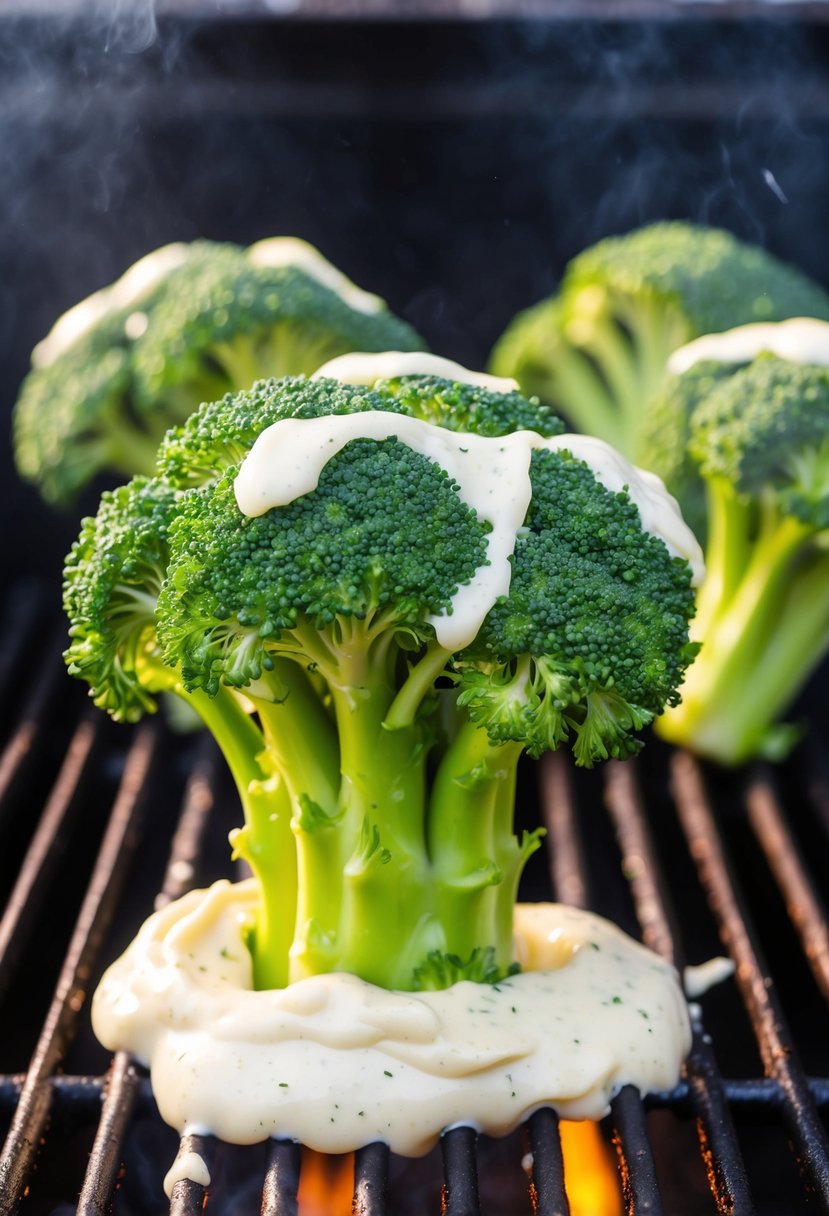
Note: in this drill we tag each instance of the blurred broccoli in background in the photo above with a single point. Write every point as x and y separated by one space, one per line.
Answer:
597 350
759 442
185 324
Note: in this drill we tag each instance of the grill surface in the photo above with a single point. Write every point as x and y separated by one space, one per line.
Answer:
94 818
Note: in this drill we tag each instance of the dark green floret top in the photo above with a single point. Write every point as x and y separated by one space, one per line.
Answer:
767 425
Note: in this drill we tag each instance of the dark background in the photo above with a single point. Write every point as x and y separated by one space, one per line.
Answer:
451 165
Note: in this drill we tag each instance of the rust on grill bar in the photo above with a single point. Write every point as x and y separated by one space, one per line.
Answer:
778 1051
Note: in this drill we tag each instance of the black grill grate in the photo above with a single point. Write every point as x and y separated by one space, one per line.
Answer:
93 818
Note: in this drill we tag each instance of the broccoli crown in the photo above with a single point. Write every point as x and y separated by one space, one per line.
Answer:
765 429
598 350
210 321
385 535
223 312
716 280
61 416
466 407
219 435
602 609
112 578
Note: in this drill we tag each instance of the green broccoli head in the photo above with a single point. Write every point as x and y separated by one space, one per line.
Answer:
228 320
184 325
764 433
592 640
112 579
760 439
598 350
329 612
381 544
219 435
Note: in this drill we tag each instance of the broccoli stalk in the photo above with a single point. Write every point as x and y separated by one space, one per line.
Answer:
761 443
597 351
376 766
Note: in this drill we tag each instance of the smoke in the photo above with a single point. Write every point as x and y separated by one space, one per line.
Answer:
129 25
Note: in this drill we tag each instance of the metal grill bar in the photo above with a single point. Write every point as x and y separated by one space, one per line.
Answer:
549 1197
19 752
371 1175
20 1149
104 1161
636 1166
122 1085
189 1197
279 1194
640 1191
777 1048
802 903
719 1146
459 1196
43 854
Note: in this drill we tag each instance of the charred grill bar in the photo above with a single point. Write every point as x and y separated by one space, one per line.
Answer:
43 1108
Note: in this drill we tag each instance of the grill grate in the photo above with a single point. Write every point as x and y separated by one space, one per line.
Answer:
156 804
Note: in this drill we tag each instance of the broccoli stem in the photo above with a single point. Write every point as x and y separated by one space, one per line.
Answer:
614 356
728 551
382 866
418 684
471 848
127 449
722 712
582 393
265 841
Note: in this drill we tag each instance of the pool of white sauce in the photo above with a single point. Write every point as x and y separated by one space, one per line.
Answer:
337 1063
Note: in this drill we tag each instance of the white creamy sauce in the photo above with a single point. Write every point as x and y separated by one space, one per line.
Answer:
137 282
133 286
493 474
366 369
187 1167
279 251
800 340
697 980
337 1063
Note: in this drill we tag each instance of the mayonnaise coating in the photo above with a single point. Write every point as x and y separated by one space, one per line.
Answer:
361 368
138 281
799 340
493 476
133 286
338 1063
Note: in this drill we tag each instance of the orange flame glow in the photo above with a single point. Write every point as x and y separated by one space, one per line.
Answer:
590 1177
326 1184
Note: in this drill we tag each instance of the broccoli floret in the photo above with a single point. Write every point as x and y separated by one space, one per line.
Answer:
378 773
597 351
760 440
184 325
